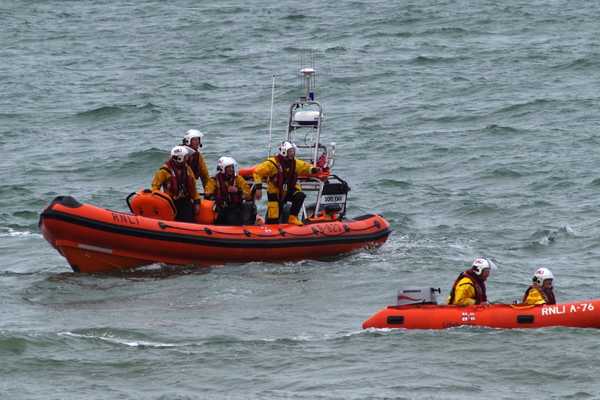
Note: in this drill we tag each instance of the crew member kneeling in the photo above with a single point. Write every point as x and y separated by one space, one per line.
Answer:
469 287
228 190
282 173
541 291
176 179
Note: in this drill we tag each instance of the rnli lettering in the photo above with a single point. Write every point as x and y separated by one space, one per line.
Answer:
125 219
553 310
562 309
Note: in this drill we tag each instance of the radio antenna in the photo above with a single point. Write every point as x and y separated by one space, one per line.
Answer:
271 117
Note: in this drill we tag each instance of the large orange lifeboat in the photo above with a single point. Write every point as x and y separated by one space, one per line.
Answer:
94 239
577 314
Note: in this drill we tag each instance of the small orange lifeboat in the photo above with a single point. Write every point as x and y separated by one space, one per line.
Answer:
578 314
95 239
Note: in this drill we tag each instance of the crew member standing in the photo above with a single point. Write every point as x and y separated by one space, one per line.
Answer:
282 173
193 141
176 179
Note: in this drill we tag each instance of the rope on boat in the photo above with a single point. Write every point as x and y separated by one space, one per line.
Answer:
282 232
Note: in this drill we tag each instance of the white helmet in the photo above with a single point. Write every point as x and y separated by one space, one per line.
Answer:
284 147
225 162
193 133
178 153
541 275
480 264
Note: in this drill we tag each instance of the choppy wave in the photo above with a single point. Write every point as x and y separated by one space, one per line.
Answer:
475 208
501 130
502 173
10 232
595 182
110 337
336 49
401 34
452 118
18 343
12 345
205 86
548 236
297 17
131 338
577 64
424 60
145 160
447 31
393 183
114 111
21 191
526 107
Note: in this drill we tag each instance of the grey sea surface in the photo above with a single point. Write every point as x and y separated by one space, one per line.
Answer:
472 126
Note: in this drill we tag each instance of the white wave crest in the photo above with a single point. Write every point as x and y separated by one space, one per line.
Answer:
10 232
121 341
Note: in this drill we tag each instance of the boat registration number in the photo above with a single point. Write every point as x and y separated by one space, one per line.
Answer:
566 308
333 198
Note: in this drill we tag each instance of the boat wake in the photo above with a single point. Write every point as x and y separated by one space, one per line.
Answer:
109 338
10 232
546 237
135 339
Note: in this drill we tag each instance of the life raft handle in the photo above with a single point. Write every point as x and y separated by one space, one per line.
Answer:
128 200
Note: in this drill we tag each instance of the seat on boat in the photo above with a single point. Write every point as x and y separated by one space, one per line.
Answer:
206 212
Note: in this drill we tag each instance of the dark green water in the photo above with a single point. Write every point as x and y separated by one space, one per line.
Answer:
472 126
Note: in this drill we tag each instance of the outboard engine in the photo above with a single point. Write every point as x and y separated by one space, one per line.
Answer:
422 295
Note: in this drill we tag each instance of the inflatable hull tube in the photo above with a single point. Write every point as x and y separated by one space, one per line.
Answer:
578 314
96 240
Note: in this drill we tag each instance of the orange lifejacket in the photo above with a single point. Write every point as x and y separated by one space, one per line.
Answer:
478 284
